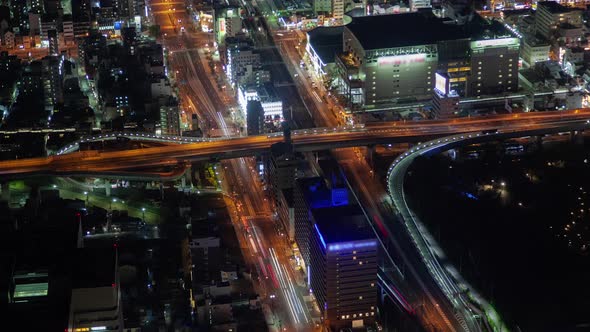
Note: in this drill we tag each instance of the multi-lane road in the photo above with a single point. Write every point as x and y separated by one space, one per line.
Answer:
201 94
303 140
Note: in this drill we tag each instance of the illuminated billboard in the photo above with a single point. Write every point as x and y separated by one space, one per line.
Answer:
441 83
495 43
401 59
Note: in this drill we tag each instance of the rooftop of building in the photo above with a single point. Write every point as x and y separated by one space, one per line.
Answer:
94 267
399 30
326 42
553 7
342 224
535 40
483 29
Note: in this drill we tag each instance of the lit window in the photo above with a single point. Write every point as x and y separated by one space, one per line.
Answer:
361 263
360 297
501 55
353 257
353 315
343 317
372 284
499 76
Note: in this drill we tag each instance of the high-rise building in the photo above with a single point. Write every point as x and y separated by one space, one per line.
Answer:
337 11
343 269
20 13
376 69
494 62
550 15
322 7
445 101
52 7
327 190
228 23
418 4
479 57
36 6
281 166
81 10
52 80
254 117
170 119
534 50
53 42
96 292
242 62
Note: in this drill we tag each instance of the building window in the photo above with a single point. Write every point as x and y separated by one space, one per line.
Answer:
354 258
360 297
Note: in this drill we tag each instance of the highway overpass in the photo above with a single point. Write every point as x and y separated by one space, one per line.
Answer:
102 162
471 310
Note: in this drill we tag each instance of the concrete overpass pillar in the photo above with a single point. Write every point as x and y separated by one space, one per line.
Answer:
107 188
577 136
6 191
370 155
183 182
537 142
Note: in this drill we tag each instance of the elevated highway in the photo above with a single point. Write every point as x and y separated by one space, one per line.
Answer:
471 311
99 162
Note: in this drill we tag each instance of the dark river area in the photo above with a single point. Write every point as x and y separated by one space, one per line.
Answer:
515 220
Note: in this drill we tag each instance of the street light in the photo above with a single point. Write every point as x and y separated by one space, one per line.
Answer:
86 193
111 203
143 214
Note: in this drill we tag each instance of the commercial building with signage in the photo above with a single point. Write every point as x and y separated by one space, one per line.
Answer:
396 65
377 70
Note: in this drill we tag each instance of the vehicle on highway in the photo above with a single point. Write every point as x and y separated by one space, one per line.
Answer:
489 131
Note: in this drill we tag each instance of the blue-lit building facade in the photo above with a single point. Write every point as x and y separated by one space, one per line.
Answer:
343 267
309 194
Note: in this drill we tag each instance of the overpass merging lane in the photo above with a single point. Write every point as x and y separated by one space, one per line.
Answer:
465 301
